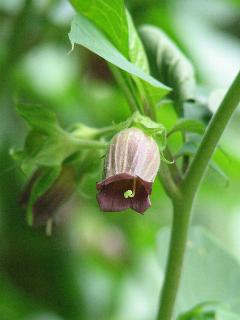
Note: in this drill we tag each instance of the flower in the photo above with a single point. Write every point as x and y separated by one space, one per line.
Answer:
131 166
46 207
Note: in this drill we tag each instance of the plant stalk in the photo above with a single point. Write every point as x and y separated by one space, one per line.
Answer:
188 190
179 232
211 137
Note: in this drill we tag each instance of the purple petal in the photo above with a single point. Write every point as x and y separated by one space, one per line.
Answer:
111 196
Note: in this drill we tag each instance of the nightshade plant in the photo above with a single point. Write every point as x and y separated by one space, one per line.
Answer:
148 69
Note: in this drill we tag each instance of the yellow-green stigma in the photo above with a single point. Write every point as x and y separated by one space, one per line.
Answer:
129 194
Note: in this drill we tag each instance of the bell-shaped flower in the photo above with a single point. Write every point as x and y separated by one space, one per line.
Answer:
131 165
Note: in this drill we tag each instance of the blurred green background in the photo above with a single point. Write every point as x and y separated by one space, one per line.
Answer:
102 266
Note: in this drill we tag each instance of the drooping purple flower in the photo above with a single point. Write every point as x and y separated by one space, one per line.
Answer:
131 166
47 205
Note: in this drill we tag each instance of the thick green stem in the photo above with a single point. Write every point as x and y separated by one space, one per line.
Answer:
181 218
188 189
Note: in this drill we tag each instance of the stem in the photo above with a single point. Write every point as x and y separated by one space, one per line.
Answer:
88 144
181 218
168 182
188 189
211 137
125 88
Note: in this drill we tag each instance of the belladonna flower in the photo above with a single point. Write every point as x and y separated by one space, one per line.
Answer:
46 207
131 166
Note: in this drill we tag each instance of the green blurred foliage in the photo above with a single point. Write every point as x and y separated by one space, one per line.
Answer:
101 266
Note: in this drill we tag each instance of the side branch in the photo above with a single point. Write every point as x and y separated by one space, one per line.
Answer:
211 138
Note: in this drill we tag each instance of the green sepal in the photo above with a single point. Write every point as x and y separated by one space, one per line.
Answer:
156 130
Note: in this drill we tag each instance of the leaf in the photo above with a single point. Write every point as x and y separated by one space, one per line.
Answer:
210 273
137 53
188 125
39 118
110 17
168 63
84 32
190 149
47 144
148 94
54 151
215 167
209 311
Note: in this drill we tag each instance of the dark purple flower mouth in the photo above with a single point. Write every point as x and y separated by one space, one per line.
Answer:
124 191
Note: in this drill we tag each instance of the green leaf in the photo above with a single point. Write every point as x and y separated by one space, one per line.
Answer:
210 273
39 118
219 162
188 125
215 167
190 149
150 127
84 32
110 17
47 144
137 53
168 63
54 151
209 311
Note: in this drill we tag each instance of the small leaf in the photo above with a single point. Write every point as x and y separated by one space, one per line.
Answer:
188 125
215 167
190 149
84 32
39 118
209 311
168 63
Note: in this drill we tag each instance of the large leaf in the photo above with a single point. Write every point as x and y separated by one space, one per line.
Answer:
210 273
168 63
137 53
85 33
110 17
